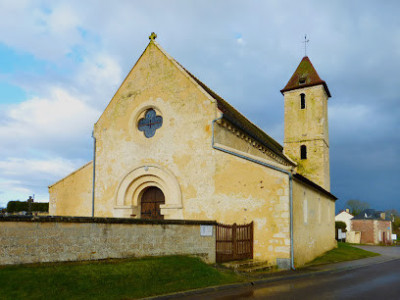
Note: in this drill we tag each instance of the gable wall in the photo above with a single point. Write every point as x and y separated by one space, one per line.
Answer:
72 196
180 149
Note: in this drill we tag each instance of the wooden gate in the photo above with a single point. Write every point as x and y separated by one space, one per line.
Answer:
234 242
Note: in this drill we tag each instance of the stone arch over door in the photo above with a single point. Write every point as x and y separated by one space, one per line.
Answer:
135 183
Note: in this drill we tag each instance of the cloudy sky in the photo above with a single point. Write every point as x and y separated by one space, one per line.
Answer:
62 61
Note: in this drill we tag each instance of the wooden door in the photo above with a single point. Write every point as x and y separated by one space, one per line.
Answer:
150 203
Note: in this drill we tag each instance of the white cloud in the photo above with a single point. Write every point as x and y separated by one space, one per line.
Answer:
353 121
48 31
13 190
40 122
62 20
36 168
239 40
98 77
9 186
21 177
10 190
38 137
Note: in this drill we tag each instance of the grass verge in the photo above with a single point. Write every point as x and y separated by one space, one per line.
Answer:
112 279
344 252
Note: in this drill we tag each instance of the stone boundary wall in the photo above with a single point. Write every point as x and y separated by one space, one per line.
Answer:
54 239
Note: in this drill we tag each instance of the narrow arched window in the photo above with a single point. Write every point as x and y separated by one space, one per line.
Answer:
302 101
303 152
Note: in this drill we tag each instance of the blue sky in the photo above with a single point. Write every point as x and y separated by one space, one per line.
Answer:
62 61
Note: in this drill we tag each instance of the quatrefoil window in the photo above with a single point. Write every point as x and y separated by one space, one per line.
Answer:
150 123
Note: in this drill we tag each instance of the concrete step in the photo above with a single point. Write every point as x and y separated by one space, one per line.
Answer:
248 266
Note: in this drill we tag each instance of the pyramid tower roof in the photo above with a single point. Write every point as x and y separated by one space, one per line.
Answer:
305 76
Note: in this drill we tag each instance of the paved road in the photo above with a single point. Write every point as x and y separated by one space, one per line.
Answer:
380 280
384 251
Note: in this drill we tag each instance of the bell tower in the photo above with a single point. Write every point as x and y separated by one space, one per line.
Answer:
306 138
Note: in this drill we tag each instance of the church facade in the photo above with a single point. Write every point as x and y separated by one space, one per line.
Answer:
168 147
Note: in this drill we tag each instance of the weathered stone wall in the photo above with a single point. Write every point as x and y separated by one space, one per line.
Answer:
246 192
313 223
52 239
308 127
75 190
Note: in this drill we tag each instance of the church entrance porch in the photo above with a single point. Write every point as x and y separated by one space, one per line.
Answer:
234 242
150 203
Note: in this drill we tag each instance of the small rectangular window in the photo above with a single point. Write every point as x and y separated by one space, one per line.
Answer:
302 101
303 152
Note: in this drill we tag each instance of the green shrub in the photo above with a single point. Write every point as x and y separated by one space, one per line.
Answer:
17 206
340 225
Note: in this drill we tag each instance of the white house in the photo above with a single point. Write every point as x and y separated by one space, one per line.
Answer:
345 216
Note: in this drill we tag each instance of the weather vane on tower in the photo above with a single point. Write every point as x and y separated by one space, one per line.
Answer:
305 44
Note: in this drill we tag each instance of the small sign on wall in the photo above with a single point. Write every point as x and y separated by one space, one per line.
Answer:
206 230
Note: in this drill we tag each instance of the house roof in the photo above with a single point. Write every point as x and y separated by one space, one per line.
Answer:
305 76
371 214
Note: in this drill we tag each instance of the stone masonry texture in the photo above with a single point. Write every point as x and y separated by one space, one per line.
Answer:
44 240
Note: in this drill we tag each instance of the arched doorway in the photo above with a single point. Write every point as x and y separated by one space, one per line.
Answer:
150 202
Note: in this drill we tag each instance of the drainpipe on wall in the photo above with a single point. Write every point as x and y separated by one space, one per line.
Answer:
94 170
271 167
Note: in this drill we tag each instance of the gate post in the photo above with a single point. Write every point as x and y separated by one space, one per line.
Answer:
234 244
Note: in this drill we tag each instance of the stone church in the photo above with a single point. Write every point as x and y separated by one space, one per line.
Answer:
168 147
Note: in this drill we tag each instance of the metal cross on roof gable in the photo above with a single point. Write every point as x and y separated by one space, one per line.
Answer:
305 44
150 123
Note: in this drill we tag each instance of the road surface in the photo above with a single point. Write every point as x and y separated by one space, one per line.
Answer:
376 281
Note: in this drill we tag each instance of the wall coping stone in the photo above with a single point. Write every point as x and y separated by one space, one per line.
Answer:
62 219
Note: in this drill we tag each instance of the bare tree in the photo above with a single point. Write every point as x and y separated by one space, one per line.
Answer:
356 206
